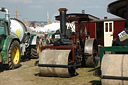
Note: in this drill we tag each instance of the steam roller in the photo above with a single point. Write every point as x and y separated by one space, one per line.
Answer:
114 66
67 50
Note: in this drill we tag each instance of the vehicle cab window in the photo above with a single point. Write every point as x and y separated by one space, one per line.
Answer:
2 26
3 32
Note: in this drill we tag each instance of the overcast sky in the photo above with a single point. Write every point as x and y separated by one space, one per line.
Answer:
37 9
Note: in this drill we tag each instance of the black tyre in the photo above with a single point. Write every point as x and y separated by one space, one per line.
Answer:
14 56
32 52
35 51
72 70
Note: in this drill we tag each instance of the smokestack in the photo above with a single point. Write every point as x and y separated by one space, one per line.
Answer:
105 17
63 21
83 11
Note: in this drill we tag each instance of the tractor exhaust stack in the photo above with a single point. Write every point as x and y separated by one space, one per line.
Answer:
7 16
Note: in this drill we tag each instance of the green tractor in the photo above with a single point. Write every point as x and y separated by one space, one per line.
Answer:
15 41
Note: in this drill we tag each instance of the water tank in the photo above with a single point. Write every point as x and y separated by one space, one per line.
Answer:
17 28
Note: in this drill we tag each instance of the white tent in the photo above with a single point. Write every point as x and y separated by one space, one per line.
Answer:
53 27
50 27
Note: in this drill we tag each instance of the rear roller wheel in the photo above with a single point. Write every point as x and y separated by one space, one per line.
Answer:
14 56
91 49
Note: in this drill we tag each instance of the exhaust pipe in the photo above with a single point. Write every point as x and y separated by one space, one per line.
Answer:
63 21
7 16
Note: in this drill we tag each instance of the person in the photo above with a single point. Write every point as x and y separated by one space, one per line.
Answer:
57 32
40 42
49 39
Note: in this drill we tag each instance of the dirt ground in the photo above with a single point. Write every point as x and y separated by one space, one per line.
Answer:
27 74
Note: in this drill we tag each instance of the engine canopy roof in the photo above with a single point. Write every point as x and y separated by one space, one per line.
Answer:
78 17
118 8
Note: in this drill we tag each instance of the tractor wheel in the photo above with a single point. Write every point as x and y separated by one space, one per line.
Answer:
14 56
32 52
35 51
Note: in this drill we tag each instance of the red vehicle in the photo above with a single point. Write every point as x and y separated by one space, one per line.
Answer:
69 50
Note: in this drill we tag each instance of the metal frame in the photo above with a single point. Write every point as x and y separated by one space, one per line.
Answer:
112 49
57 66
60 66
114 77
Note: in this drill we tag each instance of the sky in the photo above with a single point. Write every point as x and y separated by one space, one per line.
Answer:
36 10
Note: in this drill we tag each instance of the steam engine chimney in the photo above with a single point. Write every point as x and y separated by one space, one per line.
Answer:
63 21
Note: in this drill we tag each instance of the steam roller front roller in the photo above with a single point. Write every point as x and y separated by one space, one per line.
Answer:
114 69
91 53
55 63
